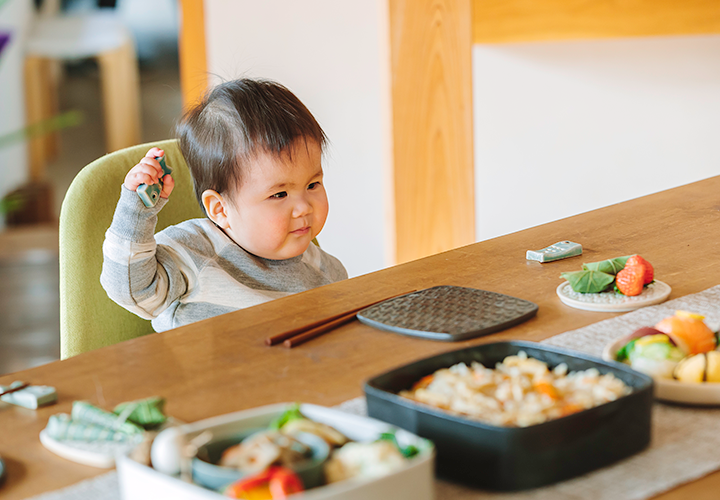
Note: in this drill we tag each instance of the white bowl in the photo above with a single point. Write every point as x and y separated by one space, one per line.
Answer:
414 481
703 393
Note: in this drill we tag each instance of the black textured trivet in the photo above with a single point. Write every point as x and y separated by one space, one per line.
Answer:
448 313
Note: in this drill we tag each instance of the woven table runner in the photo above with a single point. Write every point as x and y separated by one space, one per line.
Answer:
685 441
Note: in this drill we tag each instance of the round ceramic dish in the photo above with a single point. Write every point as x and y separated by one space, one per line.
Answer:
705 393
654 293
207 473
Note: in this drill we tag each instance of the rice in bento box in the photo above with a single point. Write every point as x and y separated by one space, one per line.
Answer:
518 392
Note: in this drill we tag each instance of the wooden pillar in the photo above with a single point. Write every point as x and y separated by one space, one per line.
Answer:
40 105
193 57
121 97
431 42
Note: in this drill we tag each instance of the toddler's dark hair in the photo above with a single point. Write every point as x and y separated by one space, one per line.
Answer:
234 123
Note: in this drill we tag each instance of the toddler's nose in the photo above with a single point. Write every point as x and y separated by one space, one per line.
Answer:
302 208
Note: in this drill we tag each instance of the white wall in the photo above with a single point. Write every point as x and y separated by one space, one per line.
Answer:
14 18
563 128
334 57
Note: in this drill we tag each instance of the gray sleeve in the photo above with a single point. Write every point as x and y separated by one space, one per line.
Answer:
137 274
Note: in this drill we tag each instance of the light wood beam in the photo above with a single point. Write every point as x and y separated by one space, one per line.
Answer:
501 21
193 55
432 125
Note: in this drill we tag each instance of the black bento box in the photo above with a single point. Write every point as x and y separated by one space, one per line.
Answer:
516 458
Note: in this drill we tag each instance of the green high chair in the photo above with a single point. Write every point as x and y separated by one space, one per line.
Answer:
88 318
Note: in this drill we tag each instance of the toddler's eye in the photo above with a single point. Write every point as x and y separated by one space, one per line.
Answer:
281 194
313 185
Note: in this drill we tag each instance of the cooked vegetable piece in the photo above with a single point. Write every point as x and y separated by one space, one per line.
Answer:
272 484
589 281
655 356
329 434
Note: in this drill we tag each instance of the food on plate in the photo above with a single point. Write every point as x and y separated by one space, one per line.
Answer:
518 392
630 280
270 484
655 355
261 450
363 460
689 332
330 435
627 275
704 367
647 268
282 459
680 346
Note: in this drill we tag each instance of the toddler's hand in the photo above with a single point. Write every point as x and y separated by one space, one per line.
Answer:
148 171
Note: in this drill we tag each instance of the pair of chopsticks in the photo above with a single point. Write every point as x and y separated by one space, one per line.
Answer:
302 334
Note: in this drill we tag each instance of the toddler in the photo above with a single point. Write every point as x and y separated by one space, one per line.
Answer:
254 152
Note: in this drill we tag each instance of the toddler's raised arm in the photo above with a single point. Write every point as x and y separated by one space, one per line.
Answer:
136 274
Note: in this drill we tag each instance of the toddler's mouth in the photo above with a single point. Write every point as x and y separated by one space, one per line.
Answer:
302 231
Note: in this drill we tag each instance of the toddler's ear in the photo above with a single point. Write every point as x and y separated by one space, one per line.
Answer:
215 207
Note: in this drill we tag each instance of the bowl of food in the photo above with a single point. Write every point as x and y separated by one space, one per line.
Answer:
281 450
680 353
224 461
517 415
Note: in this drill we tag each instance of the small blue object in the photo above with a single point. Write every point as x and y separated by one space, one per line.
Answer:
32 397
150 194
560 250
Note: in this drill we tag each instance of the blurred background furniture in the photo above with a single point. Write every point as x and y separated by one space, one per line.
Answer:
60 37
88 318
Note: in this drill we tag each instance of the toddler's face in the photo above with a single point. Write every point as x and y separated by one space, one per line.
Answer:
281 205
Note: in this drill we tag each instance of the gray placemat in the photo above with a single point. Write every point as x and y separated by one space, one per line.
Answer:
684 446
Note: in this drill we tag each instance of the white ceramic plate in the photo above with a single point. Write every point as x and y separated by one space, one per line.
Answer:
654 293
94 454
704 393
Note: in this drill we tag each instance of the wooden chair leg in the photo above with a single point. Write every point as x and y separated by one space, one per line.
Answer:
121 97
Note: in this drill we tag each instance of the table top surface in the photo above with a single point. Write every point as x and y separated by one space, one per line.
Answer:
222 365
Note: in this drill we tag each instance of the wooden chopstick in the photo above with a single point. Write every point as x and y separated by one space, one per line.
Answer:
311 330
14 389
315 332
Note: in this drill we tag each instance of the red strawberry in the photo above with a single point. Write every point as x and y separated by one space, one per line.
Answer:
630 280
636 260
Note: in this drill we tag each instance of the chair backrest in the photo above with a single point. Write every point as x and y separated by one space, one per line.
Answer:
88 318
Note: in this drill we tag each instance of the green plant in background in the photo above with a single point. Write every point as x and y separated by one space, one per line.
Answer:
11 203
71 118
15 201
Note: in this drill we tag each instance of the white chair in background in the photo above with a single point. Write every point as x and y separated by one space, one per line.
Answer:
99 35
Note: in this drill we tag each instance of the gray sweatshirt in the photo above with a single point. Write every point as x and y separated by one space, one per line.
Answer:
193 270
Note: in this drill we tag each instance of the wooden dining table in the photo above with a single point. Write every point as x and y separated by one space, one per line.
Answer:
222 364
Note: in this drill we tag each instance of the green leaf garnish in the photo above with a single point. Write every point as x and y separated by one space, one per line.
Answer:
610 266
408 451
589 281
292 413
624 351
